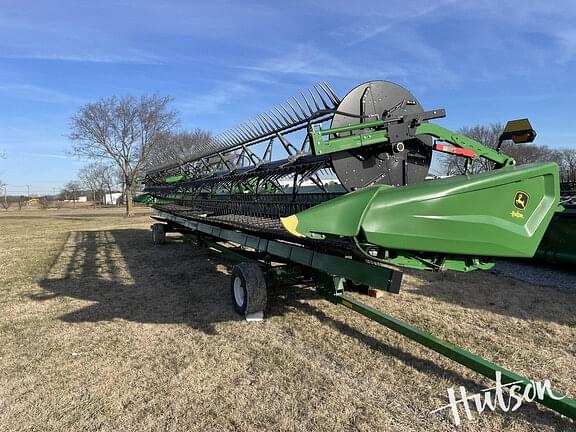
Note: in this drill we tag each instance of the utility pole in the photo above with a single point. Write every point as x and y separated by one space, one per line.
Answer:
28 196
5 198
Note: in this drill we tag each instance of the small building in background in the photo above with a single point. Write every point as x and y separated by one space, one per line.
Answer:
80 199
113 198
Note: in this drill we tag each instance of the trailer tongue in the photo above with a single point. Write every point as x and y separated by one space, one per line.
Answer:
255 195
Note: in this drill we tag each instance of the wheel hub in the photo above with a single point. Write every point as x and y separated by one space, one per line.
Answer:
239 294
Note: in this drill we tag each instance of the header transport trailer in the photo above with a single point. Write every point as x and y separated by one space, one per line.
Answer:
381 216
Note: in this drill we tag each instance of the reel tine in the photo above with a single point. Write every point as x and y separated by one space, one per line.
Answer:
223 141
308 105
227 141
321 97
241 134
295 112
203 146
333 93
277 126
268 127
222 145
286 121
249 130
218 140
256 127
328 93
301 108
288 114
237 135
314 99
230 137
219 146
261 125
233 136
222 138
246 134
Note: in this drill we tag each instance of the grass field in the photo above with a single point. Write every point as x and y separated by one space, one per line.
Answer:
100 330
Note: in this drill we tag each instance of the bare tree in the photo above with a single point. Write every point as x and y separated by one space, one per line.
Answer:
44 203
568 165
530 153
72 190
125 130
178 147
489 136
98 178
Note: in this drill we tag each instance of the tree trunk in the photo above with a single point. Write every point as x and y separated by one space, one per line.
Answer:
129 202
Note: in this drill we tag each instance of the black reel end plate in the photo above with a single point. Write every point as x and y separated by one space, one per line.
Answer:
358 168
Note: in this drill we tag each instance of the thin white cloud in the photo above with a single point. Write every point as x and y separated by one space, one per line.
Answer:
37 94
49 33
396 20
307 59
122 32
127 57
45 155
567 40
215 99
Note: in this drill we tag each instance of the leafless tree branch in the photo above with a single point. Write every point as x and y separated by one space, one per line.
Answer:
124 130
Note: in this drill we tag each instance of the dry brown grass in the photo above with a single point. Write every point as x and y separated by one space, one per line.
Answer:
99 330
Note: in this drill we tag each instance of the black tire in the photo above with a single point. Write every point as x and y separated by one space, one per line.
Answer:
158 234
248 288
356 287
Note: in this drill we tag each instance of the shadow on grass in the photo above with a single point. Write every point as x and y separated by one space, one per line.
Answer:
125 277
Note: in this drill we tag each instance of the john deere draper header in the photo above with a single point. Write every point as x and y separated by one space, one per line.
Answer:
264 194
270 176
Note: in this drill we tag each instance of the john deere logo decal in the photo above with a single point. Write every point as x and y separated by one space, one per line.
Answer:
521 200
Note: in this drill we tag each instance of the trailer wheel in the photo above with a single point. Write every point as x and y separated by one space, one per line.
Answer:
350 285
158 233
248 288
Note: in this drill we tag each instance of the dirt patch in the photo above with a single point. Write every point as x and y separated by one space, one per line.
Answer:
100 330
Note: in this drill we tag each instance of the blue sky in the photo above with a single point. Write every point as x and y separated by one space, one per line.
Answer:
223 62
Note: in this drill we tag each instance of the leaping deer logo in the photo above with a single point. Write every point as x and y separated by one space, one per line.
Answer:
521 200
